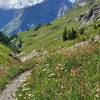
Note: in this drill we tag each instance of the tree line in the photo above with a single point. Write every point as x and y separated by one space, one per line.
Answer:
71 34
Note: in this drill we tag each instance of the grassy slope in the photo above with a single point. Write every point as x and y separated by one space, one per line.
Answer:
45 38
4 54
9 67
50 36
65 76
62 75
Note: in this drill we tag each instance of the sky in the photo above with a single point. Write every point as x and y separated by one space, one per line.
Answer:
72 0
12 3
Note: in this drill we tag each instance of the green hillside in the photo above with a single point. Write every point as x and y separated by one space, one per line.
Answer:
63 74
49 36
4 54
68 70
10 66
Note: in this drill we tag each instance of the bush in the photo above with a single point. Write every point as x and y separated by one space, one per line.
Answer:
72 34
69 35
4 38
82 31
37 27
65 35
96 26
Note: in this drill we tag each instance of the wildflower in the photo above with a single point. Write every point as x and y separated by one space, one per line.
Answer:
24 85
21 80
62 87
20 95
48 56
34 50
25 98
29 94
58 51
16 98
45 52
51 75
62 68
66 70
59 64
60 93
46 65
45 69
97 95
25 89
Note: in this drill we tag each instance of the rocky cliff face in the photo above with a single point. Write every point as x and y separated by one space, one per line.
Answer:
84 2
80 2
92 15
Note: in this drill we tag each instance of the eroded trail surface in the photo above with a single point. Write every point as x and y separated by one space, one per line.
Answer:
10 90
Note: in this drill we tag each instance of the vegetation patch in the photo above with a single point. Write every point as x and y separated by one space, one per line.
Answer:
62 76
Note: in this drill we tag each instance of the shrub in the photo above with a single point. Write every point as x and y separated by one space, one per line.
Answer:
72 34
82 31
69 35
95 26
65 35
37 27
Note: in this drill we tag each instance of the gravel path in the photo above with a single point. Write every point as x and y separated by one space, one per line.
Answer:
7 93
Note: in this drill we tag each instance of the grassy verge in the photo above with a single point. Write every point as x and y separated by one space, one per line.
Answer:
12 70
65 76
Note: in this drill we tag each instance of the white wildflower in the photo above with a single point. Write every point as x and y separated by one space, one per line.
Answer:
20 95
97 95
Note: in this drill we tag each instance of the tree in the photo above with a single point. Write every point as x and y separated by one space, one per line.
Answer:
20 44
82 30
74 33
65 35
69 35
3 38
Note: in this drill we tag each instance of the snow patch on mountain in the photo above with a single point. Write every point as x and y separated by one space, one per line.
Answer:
62 10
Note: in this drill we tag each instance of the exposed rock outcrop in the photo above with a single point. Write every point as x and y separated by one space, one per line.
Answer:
92 15
80 2
78 46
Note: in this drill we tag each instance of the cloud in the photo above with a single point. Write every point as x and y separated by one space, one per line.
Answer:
72 0
7 3
17 3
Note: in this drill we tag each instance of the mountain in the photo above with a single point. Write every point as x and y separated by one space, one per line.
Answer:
21 19
83 2
63 57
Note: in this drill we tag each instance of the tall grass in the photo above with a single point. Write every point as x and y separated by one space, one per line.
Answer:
65 76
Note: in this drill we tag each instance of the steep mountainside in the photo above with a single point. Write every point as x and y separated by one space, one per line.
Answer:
63 55
27 17
79 18
83 2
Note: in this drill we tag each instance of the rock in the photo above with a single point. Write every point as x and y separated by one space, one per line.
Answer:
80 2
90 16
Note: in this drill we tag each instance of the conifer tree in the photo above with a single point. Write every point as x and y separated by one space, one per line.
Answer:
65 35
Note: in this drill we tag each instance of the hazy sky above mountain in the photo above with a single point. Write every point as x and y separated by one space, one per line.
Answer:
72 0
19 3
